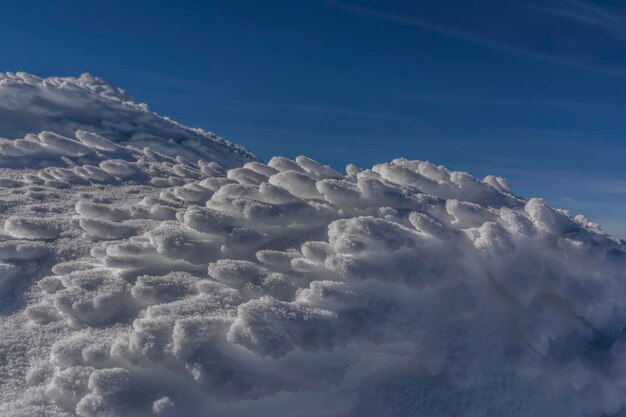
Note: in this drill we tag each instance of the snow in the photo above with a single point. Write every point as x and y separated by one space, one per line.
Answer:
100 116
148 269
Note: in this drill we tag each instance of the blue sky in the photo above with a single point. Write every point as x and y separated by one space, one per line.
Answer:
534 91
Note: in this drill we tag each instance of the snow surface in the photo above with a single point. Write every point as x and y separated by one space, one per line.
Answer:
29 104
137 283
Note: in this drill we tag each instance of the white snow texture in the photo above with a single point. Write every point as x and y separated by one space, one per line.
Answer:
150 269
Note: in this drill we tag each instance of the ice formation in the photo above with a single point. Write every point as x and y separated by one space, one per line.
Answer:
29 104
135 282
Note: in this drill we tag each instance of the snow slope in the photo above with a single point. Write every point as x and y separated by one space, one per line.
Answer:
30 104
134 283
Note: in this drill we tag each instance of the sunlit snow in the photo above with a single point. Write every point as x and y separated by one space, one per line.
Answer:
150 269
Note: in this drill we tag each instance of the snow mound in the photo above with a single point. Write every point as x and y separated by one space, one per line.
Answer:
63 105
134 283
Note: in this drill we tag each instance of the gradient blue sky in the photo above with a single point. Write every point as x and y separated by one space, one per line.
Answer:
534 91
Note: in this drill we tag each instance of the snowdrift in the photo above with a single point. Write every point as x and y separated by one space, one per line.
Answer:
135 282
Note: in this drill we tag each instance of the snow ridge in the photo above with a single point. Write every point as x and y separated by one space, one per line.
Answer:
63 105
135 283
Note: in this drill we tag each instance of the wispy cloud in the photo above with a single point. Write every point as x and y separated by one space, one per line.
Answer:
491 101
608 185
582 12
592 10
326 109
471 38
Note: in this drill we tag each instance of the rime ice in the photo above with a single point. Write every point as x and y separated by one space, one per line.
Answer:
185 277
